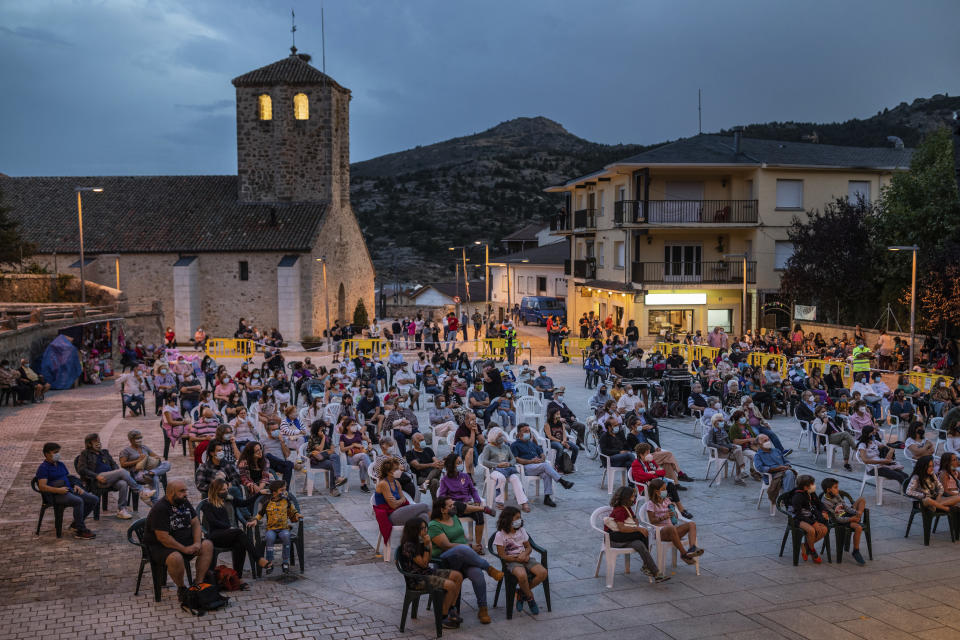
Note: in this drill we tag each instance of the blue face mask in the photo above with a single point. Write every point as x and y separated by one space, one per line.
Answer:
526 436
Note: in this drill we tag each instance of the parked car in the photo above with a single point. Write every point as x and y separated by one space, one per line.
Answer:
537 309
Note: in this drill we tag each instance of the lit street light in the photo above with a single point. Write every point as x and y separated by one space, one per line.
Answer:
83 280
913 292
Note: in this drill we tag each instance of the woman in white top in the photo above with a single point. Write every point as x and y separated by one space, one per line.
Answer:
244 428
835 433
916 445
610 413
312 412
879 458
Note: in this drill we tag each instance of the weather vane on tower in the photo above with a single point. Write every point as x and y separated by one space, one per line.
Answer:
293 32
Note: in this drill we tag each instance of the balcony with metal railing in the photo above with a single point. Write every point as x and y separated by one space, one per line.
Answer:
676 212
585 219
696 273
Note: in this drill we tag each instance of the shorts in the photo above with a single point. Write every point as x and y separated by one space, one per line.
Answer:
430 582
528 565
159 553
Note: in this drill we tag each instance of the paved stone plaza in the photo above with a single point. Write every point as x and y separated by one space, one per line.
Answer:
84 589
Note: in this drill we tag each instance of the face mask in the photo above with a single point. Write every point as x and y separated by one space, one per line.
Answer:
398 473
629 392
179 501
256 376
459 468
616 429
862 409
163 371
941 384
517 524
741 420
526 436
648 457
276 433
56 457
767 445
138 442
919 435
226 381
218 455
716 406
228 437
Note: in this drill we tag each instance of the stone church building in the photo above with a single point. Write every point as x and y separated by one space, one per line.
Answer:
214 249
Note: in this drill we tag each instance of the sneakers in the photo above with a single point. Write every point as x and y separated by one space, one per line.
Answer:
495 573
661 577
858 558
334 492
548 501
483 615
684 477
686 514
364 488
566 484
847 467
123 514
451 623
340 482
532 605
146 494
695 551
285 567
787 452
739 482
680 487
85 534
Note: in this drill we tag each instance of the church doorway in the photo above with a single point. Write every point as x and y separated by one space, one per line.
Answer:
342 305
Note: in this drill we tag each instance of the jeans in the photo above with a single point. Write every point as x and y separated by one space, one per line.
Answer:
458 449
124 482
622 459
154 480
767 431
401 439
362 461
574 450
187 406
281 466
134 402
284 537
465 560
508 417
253 396
546 472
331 464
81 505
237 541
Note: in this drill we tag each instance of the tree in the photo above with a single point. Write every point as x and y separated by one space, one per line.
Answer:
360 320
832 260
938 299
13 248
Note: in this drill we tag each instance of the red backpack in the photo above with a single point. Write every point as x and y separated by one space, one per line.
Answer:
228 580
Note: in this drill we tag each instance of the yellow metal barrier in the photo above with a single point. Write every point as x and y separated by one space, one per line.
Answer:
365 347
846 370
229 348
574 347
925 381
495 347
700 351
760 359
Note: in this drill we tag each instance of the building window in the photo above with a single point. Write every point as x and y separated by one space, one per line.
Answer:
682 262
599 254
858 189
560 286
265 107
720 318
789 194
244 270
530 283
618 255
541 285
660 321
600 203
301 107
782 252
519 284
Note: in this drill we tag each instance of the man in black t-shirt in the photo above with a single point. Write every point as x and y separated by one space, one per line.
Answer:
173 535
425 464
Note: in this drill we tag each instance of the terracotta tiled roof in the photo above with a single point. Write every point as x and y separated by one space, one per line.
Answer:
292 70
150 214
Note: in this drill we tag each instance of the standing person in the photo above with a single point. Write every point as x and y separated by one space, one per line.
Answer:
464 324
513 547
53 478
632 334
510 344
173 536
477 324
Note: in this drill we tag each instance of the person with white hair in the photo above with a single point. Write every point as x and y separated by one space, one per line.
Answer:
499 459
719 438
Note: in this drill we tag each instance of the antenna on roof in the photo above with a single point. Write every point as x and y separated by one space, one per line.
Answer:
699 111
293 33
323 43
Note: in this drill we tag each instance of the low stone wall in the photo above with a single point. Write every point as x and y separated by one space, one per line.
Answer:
42 287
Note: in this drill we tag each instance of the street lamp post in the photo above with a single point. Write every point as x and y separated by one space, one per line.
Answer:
326 301
913 293
83 280
743 304
486 271
507 264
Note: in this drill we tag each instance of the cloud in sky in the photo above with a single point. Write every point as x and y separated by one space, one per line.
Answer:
143 86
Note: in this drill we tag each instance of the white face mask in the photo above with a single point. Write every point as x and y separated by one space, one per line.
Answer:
56 457
218 455
226 381
276 433
228 437
397 473
862 410
629 392
517 524
648 457
767 445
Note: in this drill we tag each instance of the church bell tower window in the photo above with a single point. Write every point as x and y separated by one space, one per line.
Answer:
265 107
301 107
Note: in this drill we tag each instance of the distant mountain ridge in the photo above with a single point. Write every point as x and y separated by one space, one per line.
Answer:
414 204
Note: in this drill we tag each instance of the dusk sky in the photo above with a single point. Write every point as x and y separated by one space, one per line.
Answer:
114 87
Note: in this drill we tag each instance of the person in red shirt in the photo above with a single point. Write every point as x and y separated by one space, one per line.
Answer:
625 530
170 337
644 469
451 331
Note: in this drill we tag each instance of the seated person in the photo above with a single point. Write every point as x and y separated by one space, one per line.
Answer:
842 513
222 533
402 423
697 401
544 383
860 416
391 507
805 410
662 513
405 381
645 468
901 407
279 513
442 420
173 535
926 487
916 443
769 460
835 432
371 412
867 394
323 455
625 530
719 438
203 430
498 458
810 514
755 420
555 432
479 401
468 441
559 404
744 436
355 445
144 465
425 465
415 557
98 469
628 402
513 547
505 409
532 459
386 450
877 457
53 479
599 399
450 546
614 445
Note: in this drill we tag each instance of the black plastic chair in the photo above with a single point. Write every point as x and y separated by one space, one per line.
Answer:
103 493
794 531
158 571
931 518
296 535
166 442
46 502
411 598
511 580
236 558
844 534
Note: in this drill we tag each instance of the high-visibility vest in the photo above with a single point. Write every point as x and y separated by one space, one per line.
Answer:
510 335
861 359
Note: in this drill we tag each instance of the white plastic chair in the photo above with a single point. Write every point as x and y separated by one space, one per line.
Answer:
607 551
309 473
697 424
529 410
524 390
395 533
610 472
662 544
937 425
489 490
822 444
764 487
331 412
877 480
805 432
721 463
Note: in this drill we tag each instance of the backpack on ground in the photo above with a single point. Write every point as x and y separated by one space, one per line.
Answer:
564 462
201 598
228 579
658 409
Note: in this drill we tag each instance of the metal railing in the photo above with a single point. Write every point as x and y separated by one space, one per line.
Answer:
693 272
585 219
685 211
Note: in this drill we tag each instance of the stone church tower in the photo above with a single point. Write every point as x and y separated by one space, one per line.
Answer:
293 134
